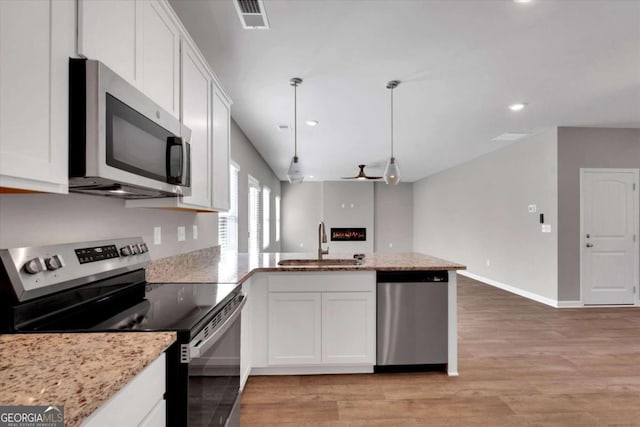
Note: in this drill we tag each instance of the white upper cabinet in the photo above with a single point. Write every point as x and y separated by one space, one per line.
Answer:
139 40
221 141
196 115
108 31
160 43
36 40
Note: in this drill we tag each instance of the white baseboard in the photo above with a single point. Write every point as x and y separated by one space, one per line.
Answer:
311 370
570 304
529 295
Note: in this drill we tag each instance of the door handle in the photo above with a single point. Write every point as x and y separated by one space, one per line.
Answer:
589 245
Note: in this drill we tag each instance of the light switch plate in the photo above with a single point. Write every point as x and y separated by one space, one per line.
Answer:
532 208
195 232
546 228
157 235
182 234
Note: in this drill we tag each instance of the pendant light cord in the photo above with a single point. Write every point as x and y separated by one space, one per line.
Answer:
295 120
392 122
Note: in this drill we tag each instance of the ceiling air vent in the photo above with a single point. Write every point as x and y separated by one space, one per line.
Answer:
252 14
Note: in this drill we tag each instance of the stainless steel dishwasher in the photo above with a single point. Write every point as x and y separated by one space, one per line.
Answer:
412 320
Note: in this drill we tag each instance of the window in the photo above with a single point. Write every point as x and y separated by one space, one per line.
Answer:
228 221
266 217
254 216
277 203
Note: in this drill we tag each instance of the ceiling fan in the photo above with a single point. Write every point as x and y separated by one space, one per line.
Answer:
361 174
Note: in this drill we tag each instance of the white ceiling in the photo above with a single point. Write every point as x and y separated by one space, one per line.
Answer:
461 63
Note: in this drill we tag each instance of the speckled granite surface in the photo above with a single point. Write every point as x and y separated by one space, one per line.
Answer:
79 371
236 268
171 269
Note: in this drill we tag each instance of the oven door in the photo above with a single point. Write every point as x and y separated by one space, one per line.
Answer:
214 375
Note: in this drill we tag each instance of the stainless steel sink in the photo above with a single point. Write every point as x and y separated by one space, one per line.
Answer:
326 261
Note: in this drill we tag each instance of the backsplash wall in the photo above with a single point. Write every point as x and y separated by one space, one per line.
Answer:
42 219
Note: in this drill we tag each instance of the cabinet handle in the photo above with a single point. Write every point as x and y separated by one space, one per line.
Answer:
589 245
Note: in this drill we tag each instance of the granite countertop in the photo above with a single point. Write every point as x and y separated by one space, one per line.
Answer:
79 371
212 267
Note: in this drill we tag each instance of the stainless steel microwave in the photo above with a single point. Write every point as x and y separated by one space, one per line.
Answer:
121 143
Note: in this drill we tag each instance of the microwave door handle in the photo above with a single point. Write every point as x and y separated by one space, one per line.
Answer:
175 147
197 350
186 164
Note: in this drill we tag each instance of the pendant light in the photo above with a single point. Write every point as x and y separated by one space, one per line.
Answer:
391 170
294 173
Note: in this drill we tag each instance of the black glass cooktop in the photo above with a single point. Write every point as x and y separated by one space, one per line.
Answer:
172 306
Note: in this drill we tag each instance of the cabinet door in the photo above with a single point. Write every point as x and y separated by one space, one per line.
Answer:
245 335
221 137
294 328
108 31
196 115
160 41
36 40
348 327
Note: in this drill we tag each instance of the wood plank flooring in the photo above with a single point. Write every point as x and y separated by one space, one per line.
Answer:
521 364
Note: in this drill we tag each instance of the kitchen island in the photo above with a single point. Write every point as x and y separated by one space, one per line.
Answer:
308 319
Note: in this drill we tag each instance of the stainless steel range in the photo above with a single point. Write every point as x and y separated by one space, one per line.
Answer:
100 286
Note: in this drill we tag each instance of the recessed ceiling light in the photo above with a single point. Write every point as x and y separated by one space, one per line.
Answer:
522 1
510 136
311 176
517 107
312 123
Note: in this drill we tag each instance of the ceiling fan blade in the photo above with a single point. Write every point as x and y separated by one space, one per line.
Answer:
349 177
374 177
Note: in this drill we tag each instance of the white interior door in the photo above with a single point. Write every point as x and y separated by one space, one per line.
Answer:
609 243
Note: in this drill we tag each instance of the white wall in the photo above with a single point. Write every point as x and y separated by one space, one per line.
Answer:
393 217
348 205
251 163
43 219
386 212
477 212
338 204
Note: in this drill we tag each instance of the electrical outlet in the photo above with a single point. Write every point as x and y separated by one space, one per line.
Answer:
182 234
157 235
195 232
532 208
546 228
488 262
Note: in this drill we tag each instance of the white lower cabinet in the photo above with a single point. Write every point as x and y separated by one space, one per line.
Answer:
245 335
139 403
312 322
348 327
295 328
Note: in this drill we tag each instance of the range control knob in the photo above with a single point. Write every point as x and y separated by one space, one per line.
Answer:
54 263
125 250
144 248
34 266
135 248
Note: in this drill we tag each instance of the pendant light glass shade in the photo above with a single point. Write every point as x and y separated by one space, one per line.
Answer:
392 171
294 174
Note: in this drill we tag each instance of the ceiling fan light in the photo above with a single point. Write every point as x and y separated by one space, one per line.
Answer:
392 172
294 174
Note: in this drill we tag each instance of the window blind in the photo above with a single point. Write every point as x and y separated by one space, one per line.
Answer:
228 221
266 217
255 216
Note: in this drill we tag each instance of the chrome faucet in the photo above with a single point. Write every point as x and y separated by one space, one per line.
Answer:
322 238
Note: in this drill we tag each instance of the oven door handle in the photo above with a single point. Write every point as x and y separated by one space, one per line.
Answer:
200 348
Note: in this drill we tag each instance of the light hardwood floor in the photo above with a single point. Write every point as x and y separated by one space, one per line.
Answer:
521 364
